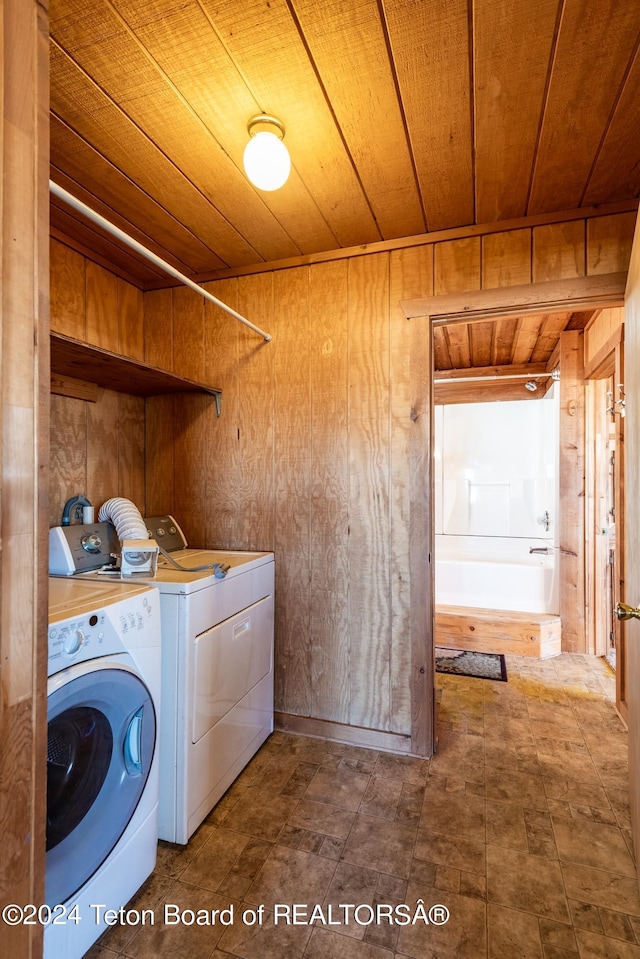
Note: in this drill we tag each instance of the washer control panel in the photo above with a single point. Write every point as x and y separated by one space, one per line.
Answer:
104 631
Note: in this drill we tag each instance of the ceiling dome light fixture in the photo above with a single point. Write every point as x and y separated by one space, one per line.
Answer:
266 158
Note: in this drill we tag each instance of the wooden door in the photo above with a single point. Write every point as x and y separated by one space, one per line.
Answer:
632 523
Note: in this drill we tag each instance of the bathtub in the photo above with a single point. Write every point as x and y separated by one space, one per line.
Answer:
495 573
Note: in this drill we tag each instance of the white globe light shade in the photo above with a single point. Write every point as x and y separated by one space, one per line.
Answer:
266 161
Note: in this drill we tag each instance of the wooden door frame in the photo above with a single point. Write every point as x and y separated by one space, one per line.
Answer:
578 293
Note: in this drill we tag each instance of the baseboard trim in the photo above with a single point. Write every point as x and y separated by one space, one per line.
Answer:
342 733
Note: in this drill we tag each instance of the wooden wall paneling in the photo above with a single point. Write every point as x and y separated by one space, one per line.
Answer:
559 251
411 274
159 455
130 320
68 472
158 329
67 291
457 266
102 308
188 334
255 499
221 336
292 487
369 504
24 323
609 240
506 259
102 449
192 471
571 473
329 491
131 461
599 330
421 539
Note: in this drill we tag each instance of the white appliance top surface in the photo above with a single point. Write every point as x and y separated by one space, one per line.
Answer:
171 580
70 596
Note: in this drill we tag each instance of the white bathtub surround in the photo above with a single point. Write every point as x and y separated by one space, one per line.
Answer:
496 481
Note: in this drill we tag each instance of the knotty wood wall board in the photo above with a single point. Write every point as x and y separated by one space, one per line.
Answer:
222 333
130 321
329 492
609 241
101 307
506 258
411 271
158 329
292 450
369 464
559 250
67 293
188 334
97 450
92 304
160 420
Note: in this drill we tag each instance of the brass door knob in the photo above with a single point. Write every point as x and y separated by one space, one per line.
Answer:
627 612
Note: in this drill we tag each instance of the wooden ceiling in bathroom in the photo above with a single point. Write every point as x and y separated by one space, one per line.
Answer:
402 117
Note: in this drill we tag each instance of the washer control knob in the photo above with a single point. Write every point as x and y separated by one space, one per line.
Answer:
73 641
91 543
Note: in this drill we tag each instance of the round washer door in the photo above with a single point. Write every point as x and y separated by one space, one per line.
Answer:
101 742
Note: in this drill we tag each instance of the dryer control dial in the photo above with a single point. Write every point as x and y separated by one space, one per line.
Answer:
73 640
91 543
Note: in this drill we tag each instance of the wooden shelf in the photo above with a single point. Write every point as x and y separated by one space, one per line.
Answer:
70 357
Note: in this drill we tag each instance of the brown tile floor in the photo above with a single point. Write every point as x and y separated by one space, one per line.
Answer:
519 825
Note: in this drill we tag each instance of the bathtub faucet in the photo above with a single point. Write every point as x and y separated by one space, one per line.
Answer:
539 549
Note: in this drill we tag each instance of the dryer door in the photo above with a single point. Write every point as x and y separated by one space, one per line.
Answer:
101 741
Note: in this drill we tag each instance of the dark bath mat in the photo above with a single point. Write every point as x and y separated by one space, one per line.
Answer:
462 662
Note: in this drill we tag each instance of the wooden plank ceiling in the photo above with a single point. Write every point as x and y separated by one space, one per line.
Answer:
402 117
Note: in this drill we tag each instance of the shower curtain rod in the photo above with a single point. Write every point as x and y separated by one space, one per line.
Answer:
139 248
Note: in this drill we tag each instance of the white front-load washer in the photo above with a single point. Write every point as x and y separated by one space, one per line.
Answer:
103 704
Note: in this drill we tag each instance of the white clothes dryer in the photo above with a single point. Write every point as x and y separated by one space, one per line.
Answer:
103 702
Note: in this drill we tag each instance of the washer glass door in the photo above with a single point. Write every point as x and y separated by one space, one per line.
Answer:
101 741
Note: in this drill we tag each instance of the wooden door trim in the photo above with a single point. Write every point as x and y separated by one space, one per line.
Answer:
550 296
579 293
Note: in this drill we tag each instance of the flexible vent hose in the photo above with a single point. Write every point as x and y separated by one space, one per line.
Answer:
126 518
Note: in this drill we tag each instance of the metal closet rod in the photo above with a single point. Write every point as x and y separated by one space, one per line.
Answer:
139 248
